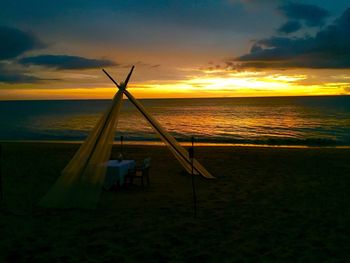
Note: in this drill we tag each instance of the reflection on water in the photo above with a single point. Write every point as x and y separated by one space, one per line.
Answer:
293 120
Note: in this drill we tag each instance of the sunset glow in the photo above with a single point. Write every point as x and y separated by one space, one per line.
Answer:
209 85
179 49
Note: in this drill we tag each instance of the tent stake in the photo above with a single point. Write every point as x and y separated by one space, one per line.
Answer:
121 145
1 191
191 155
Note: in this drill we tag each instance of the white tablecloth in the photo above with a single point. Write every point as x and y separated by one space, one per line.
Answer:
116 172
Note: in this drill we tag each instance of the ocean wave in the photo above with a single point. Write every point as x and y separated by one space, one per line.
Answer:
269 141
151 137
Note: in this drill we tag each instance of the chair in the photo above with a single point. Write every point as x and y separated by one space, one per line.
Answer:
141 173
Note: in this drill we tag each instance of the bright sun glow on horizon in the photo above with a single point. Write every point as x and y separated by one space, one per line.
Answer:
206 83
240 84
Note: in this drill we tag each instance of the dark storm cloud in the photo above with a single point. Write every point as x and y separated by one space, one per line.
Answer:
66 62
290 27
312 15
14 42
329 48
15 76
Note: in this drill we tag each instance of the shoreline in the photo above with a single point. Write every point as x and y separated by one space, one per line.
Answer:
185 144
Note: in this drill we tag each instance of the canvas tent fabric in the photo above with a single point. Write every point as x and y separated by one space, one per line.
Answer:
82 179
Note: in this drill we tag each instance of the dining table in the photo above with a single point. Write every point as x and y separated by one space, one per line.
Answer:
116 172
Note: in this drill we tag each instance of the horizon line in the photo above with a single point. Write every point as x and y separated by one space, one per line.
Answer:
184 98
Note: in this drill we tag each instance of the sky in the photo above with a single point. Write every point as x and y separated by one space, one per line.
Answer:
180 48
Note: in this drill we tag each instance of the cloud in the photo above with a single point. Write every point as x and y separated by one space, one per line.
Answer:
312 15
290 27
15 42
15 76
62 62
329 48
255 1
140 64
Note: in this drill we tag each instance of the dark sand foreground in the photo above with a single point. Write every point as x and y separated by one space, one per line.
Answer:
268 204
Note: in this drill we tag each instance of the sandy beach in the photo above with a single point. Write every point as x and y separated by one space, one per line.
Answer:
267 204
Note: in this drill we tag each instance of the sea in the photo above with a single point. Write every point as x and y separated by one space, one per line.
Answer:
272 121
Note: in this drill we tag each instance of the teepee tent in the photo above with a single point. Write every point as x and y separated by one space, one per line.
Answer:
81 180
